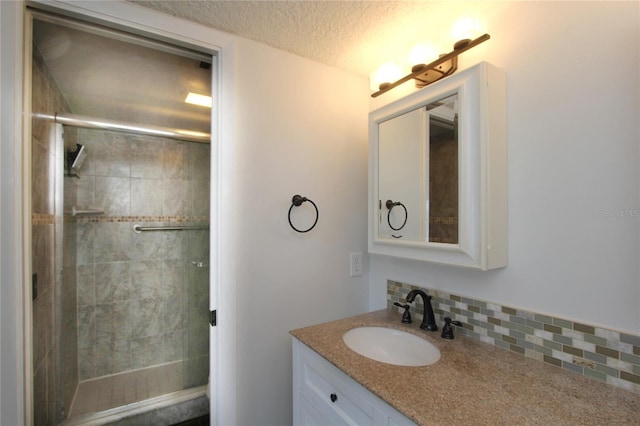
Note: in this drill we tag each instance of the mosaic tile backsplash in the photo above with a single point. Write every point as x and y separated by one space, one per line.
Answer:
606 355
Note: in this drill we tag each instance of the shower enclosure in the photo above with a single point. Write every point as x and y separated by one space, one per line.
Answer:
142 296
120 247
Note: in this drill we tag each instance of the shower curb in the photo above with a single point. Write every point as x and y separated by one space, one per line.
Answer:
164 410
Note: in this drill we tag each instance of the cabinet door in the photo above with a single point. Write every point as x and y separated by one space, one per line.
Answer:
309 415
324 394
322 386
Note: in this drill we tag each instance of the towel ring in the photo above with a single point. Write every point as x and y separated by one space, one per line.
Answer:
297 201
390 205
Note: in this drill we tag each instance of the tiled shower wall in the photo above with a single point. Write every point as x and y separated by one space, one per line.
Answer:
141 301
606 355
54 314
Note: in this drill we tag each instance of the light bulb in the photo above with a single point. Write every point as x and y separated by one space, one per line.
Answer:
386 73
465 28
423 54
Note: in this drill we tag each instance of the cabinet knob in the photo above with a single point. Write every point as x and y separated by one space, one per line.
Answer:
333 397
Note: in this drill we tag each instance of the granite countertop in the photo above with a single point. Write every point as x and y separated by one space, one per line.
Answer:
473 382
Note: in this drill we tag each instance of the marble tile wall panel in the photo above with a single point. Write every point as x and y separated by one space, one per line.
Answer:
113 242
111 154
200 178
86 293
113 194
196 371
146 200
146 159
175 161
87 332
85 190
147 280
177 197
112 282
174 343
136 296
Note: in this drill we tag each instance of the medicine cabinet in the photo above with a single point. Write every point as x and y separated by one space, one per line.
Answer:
438 172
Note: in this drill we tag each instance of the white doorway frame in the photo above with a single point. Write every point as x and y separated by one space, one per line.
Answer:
223 401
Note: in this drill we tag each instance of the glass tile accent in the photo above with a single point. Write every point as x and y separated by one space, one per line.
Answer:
552 360
552 345
628 338
563 323
562 339
572 367
631 359
595 340
573 351
598 353
543 318
610 353
587 329
509 311
552 329
495 321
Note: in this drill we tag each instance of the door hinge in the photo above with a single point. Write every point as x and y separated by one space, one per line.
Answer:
212 318
34 286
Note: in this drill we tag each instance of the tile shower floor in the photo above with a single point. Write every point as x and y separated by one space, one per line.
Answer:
125 388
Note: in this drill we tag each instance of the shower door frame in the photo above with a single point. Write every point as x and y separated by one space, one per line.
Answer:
134 18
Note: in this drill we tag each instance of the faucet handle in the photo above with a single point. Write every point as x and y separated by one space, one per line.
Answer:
406 316
447 330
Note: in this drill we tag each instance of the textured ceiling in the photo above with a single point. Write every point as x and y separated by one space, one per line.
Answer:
356 36
106 78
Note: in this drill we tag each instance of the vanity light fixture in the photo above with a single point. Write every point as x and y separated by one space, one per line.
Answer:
442 67
196 99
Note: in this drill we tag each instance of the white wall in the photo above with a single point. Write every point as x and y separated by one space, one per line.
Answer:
573 103
301 129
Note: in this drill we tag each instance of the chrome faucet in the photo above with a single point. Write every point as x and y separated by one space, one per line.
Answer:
428 318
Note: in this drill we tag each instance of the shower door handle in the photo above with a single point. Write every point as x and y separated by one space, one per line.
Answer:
199 264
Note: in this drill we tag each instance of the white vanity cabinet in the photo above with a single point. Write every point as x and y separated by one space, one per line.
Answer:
324 395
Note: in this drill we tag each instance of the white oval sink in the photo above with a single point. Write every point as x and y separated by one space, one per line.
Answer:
391 346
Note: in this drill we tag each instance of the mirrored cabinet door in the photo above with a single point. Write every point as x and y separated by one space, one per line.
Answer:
438 172
418 174
403 176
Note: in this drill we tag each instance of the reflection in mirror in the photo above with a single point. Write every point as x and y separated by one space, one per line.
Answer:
418 174
443 171
401 176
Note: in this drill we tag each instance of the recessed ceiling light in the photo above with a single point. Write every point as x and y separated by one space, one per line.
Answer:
196 99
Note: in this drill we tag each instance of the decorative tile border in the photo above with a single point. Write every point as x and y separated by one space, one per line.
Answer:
42 219
132 219
49 219
606 355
